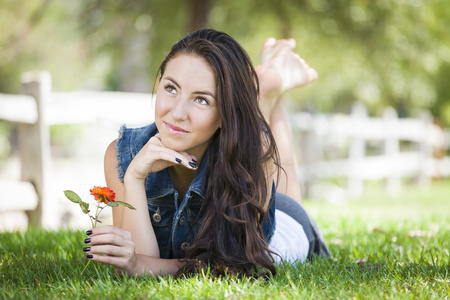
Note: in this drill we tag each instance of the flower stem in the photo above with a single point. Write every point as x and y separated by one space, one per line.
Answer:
93 226
96 213
91 221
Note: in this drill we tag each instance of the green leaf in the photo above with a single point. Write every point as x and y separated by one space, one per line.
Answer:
125 204
112 204
72 196
84 207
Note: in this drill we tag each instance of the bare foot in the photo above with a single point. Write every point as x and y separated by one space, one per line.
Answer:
281 69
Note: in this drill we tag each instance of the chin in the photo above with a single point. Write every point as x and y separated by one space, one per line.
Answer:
171 144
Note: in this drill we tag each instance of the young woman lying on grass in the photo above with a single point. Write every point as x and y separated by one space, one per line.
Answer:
209 186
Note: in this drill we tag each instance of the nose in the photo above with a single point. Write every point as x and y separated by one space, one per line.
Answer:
180 108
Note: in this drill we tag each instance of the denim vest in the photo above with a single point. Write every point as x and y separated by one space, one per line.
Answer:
175 222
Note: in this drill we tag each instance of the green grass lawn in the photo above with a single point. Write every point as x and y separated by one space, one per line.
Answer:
383 247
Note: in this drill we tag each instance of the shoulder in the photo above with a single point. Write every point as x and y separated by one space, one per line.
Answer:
110 162
110 154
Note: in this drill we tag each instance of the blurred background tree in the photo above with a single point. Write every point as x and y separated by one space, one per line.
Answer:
379 52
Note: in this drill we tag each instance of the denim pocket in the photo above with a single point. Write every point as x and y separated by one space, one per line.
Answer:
161 215
193 209
194 218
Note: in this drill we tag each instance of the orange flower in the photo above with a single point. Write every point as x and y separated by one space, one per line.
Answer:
103 194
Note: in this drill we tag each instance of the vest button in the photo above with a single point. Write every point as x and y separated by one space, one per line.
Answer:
156 217
185 246
181 221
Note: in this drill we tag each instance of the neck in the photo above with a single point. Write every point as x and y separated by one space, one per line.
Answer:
182 177
182 172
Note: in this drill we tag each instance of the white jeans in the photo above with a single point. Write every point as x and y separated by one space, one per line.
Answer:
289 239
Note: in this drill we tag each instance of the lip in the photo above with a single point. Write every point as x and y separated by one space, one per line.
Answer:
175 129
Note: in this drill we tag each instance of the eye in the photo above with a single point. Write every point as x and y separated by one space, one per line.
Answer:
170 88
202 101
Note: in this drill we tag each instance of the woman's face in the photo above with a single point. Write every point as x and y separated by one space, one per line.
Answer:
186 111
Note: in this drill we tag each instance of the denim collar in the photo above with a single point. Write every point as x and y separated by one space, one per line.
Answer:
160 184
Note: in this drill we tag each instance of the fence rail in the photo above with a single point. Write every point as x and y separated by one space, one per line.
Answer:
320 137
79 108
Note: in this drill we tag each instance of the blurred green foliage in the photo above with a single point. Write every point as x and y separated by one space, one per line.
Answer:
379 52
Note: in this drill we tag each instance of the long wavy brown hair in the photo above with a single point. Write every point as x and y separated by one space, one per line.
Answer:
230 237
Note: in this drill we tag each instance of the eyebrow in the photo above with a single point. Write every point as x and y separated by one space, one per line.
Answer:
195 92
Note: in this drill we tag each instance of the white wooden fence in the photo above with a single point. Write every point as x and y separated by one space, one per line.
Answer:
34 112
320 137
337 146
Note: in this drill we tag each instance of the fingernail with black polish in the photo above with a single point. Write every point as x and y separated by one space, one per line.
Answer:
194 160
89 232
87 249
89 256
178 160
87 241
194 165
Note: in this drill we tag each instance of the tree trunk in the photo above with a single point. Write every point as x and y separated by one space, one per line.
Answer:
199 14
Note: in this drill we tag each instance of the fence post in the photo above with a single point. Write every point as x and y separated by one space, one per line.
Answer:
34 145
425 149
357 149
391 149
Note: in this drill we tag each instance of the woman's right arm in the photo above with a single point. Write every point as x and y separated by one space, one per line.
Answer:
132 191
131 244
113 181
